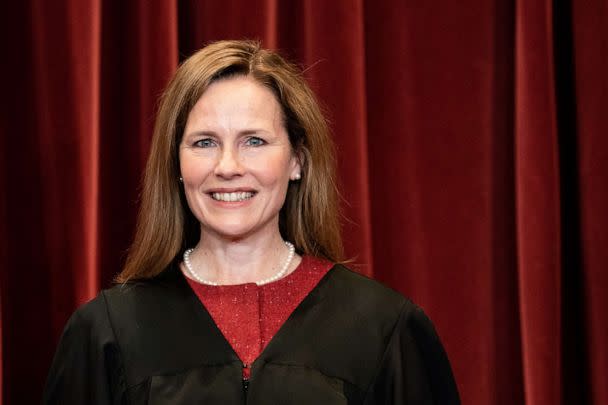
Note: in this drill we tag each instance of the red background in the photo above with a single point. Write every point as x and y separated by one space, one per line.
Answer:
473 162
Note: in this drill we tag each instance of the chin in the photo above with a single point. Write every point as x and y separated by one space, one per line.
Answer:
235 234
234 227
232 232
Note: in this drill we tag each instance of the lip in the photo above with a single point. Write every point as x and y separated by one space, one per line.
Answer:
231 190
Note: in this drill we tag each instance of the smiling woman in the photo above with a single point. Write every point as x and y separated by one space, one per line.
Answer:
233 292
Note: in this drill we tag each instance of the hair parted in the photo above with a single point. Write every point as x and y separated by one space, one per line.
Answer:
309 218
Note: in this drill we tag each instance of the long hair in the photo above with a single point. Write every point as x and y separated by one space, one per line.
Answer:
309 218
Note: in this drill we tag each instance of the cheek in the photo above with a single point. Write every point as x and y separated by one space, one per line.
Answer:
273 171
193 169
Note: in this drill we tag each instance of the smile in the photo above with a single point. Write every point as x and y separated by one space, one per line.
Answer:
232 197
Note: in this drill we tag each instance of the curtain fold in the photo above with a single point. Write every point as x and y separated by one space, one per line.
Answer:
538 202
472 162
590 60
65 74
140 52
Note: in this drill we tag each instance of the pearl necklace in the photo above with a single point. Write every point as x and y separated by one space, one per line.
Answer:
277 276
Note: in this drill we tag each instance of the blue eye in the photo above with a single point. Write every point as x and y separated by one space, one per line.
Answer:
255 141
204 143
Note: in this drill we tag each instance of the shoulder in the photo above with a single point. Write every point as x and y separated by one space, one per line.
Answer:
113 340
379 303
130 304
375 320
168 284
90 313
157 324
359 291
368 305
87 362
410 354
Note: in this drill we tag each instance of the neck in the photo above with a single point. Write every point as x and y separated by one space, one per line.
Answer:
238 261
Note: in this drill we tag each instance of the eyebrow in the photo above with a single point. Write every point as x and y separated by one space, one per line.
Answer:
248 131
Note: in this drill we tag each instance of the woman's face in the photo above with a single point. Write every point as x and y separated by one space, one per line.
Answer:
236 160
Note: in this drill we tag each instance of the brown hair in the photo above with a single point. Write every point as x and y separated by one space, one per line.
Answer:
309 218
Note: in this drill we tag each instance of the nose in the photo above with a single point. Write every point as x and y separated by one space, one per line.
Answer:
228 164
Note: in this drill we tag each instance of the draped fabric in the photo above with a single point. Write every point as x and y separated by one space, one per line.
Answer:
473 164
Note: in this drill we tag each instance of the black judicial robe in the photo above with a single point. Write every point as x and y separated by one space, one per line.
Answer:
350 341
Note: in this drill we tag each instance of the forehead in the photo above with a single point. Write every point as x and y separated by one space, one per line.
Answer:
238 99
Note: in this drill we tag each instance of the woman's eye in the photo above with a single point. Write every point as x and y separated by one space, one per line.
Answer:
255 141
204 143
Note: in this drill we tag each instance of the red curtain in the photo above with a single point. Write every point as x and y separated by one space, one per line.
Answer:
473 163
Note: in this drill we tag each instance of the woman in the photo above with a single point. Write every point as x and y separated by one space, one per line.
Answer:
230 293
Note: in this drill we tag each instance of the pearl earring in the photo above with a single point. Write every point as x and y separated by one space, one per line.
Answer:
297 176
181 179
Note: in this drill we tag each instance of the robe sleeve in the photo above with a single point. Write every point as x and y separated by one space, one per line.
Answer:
414 369
87 367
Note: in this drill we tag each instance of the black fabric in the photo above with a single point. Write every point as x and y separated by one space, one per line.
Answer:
350 341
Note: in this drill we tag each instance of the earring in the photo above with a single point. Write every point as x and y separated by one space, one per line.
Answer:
297 176
181 179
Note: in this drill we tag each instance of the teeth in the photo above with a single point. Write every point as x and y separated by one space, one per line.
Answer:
241 196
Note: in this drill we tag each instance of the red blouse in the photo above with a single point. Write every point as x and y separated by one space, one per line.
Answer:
249 315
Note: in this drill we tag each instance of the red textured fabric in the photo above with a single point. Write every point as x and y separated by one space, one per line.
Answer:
249 315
